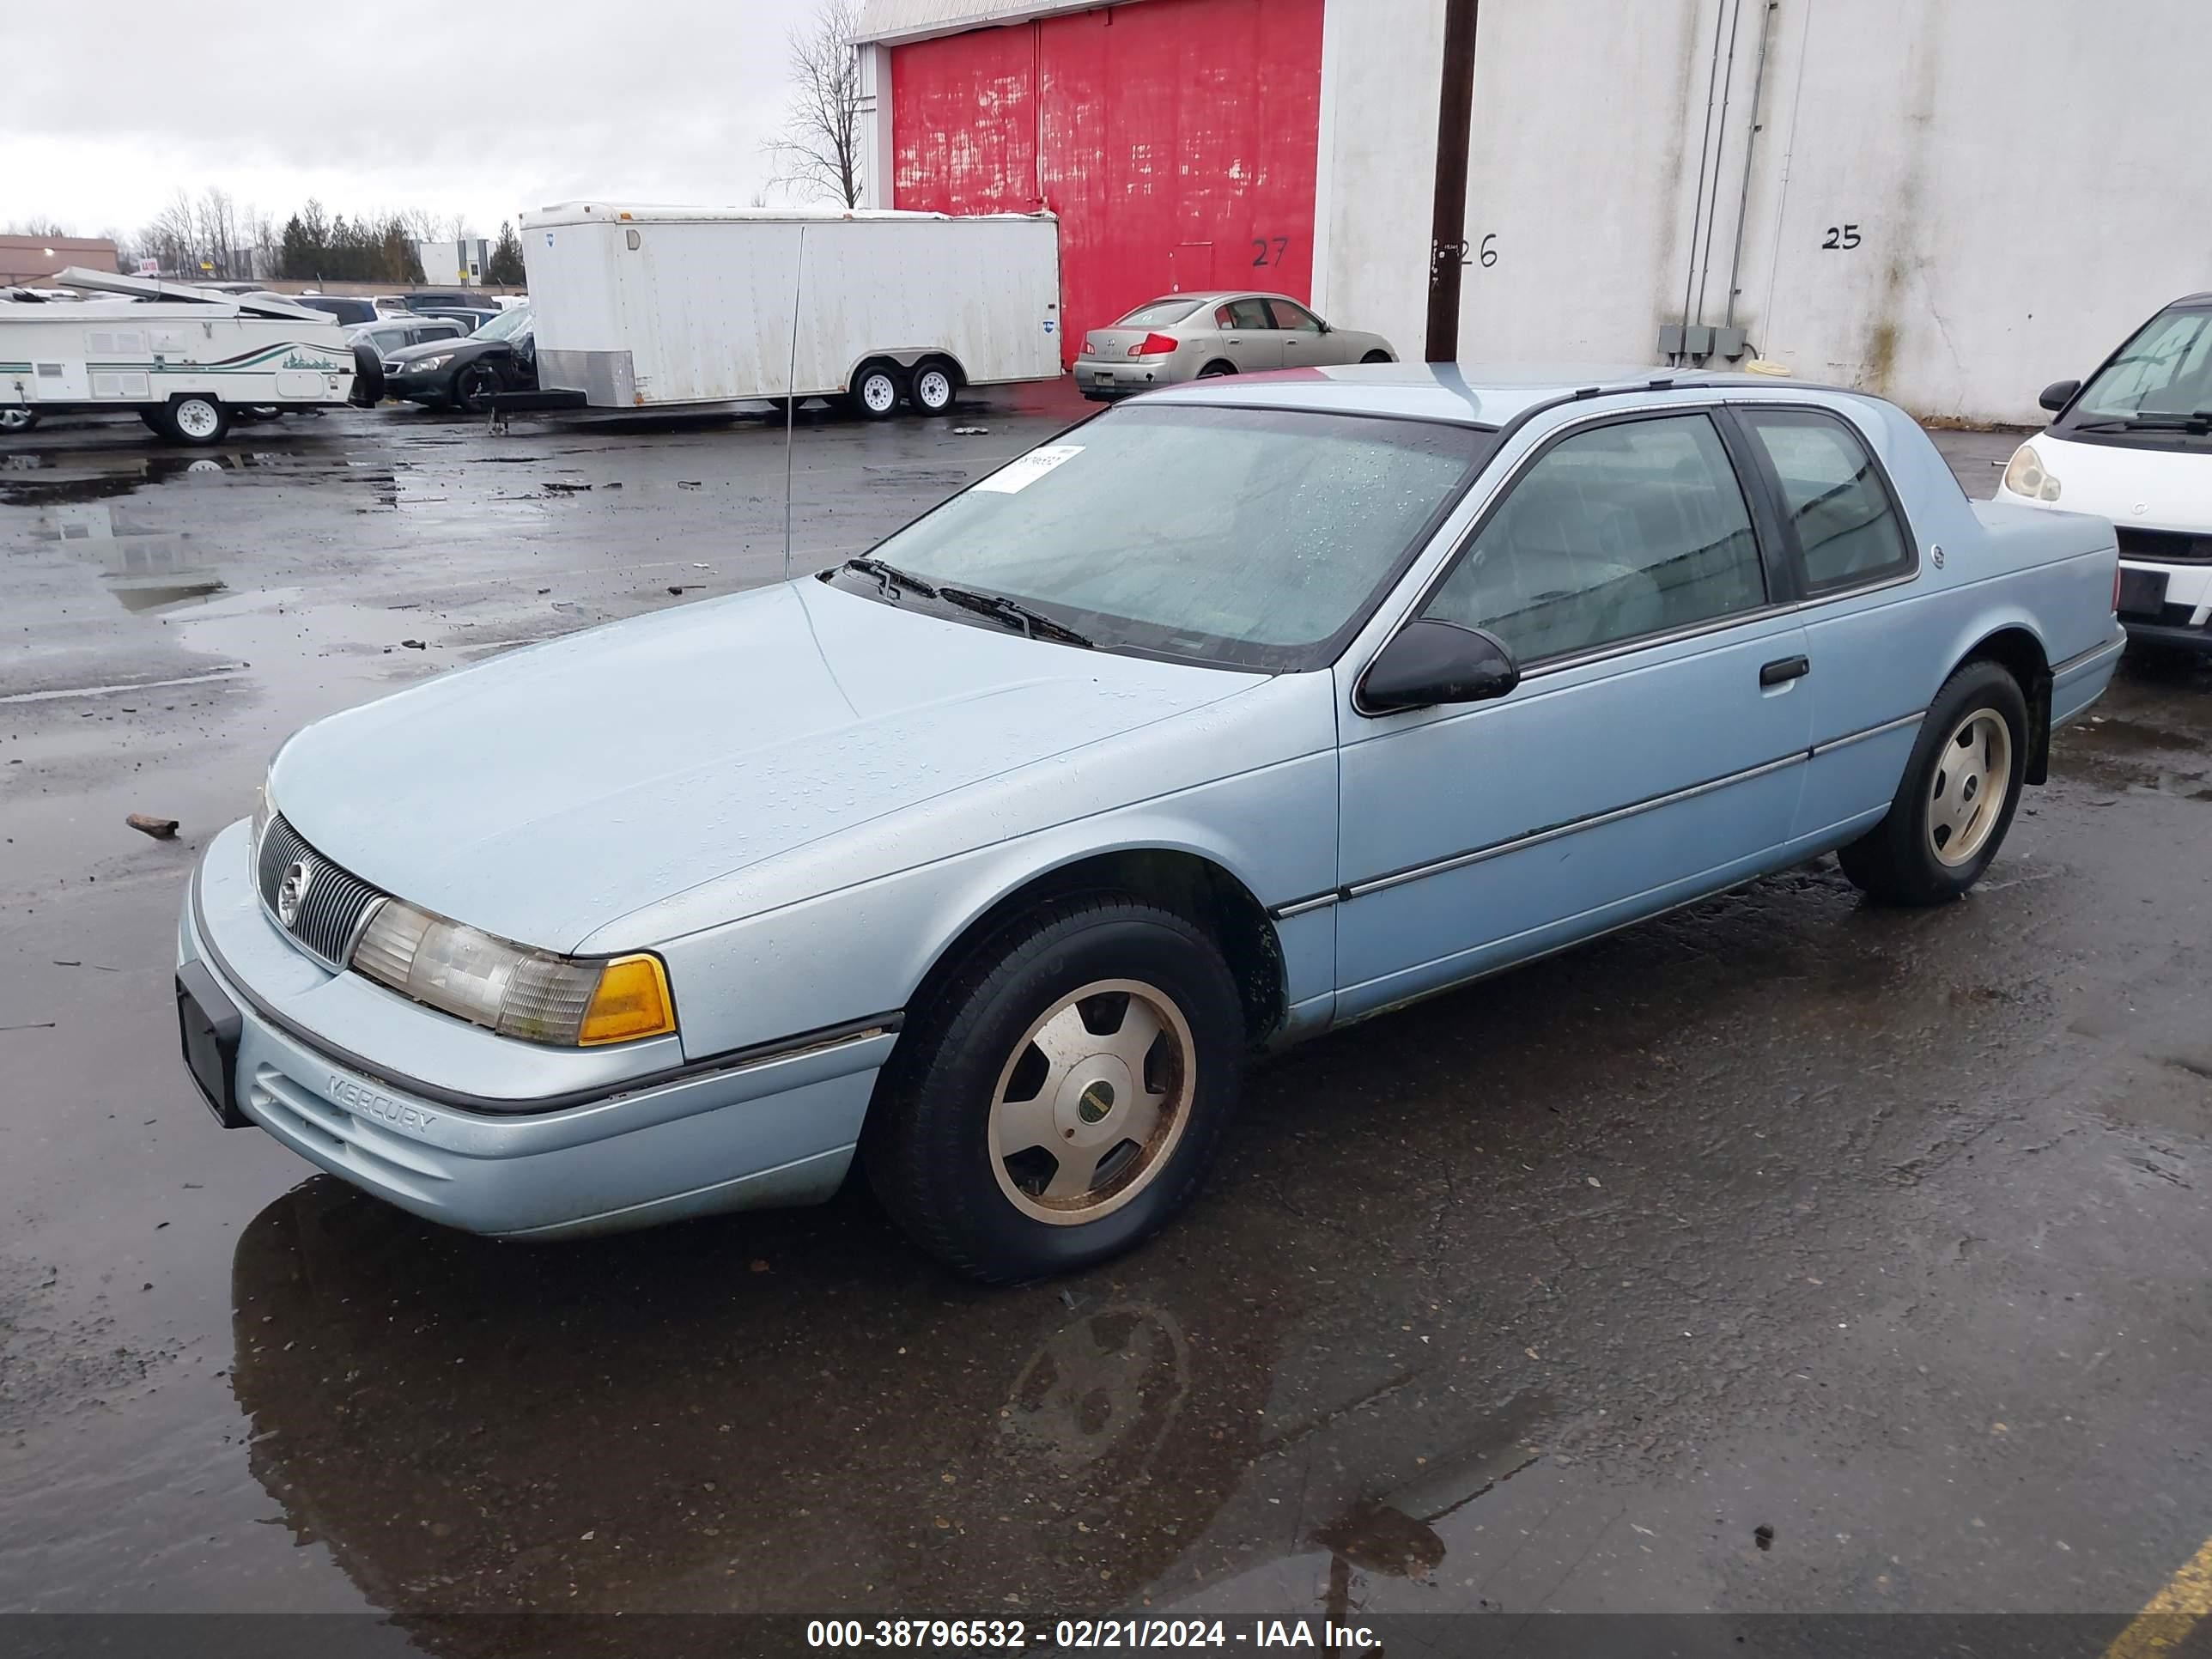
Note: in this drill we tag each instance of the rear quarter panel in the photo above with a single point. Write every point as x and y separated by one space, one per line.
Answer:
1881 655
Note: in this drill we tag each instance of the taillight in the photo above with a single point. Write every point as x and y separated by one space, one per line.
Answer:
1153 345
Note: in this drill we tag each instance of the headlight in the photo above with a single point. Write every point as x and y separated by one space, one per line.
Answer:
2027 475
425 364
515 991
264 808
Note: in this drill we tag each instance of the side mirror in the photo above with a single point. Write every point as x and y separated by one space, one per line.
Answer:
1432 662
2058 394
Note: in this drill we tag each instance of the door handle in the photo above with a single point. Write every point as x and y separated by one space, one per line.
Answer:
1784 668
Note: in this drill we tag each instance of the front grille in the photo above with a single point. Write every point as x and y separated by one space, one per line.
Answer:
330 904
2166 546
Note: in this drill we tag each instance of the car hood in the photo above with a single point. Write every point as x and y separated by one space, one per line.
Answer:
465 344
548 793
2134 487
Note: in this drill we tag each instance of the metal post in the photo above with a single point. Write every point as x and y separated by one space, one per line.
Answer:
1448 236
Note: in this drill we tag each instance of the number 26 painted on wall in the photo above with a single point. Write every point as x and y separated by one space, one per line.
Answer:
1268 250
1841 236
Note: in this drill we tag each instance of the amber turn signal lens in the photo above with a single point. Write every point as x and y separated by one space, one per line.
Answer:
632 1001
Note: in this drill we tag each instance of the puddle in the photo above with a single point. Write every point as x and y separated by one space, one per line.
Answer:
165 596
82 476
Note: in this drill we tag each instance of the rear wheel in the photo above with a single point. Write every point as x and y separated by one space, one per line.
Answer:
1960 790
875 393
933 387
18 419
1377 357
194 418
1061 1098
1215 369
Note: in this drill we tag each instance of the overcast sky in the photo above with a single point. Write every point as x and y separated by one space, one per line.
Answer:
482 107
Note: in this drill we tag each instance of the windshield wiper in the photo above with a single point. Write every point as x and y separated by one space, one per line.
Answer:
1014 613
890 577
2201 421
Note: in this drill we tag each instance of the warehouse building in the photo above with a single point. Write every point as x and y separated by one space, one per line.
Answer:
1952 201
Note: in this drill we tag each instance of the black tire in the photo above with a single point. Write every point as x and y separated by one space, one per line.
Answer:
1377 357
194 418
875 391
367 376
1899 861
17 420
1215 369
475 385
927 1147
935 384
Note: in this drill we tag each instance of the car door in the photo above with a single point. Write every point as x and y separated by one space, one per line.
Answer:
1305 343
1249 338
1653 751
1844 531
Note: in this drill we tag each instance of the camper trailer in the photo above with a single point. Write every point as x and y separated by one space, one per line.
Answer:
658 307
187 361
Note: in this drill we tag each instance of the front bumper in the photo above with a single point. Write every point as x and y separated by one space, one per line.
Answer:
777 1129
2182 618
435 388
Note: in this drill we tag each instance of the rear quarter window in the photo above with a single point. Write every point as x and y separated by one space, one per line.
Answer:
1834 500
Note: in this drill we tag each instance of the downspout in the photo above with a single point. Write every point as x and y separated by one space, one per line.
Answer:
1705 160
1720 145
1750 144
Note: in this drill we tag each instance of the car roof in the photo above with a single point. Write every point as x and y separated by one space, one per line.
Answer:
1470 394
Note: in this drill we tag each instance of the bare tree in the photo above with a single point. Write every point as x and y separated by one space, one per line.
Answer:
818 154
216 214
37 225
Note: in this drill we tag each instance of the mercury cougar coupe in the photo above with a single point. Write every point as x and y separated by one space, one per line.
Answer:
1240 711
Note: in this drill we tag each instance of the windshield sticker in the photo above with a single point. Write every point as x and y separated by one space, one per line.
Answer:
1018 475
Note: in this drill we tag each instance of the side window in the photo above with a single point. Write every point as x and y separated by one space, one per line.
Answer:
1832 497
1633 528
1294 317
1223 318
1247 313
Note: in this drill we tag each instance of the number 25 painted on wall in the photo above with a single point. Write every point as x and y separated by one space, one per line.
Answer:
1841 236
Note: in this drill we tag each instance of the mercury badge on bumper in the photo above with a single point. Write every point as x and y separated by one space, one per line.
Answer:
989 856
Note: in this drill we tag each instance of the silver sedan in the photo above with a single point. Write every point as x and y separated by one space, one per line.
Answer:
1192 336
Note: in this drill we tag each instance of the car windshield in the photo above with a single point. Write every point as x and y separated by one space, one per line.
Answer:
1245 537
1158 314
2163 373
505 325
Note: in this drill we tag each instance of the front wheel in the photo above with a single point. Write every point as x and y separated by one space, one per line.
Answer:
1059 1098
474 387
195 420
875 393
1960 790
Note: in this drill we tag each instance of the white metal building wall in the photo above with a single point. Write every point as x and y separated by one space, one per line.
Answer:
1953 201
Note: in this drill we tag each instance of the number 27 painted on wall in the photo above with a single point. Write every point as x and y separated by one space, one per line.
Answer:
1268 250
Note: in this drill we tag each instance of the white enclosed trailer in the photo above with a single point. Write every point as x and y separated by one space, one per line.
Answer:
184 359
657 307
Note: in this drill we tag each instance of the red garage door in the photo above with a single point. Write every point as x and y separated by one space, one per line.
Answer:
1175 139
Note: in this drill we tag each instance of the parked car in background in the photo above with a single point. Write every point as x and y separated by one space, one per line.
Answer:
343 306
471 317
1195 336
388 334
435 296
1231 714
469 371
2134 445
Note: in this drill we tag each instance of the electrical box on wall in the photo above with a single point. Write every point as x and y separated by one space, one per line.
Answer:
1702 340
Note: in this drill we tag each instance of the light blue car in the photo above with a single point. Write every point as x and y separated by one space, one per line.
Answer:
1238 712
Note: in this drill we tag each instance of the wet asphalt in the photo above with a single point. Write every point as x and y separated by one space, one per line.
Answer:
1785 1254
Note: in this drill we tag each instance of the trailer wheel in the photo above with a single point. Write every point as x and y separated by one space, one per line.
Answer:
875 393
194 418
935 381
367 376
18 419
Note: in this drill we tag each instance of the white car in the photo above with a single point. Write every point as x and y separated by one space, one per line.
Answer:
2134 445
